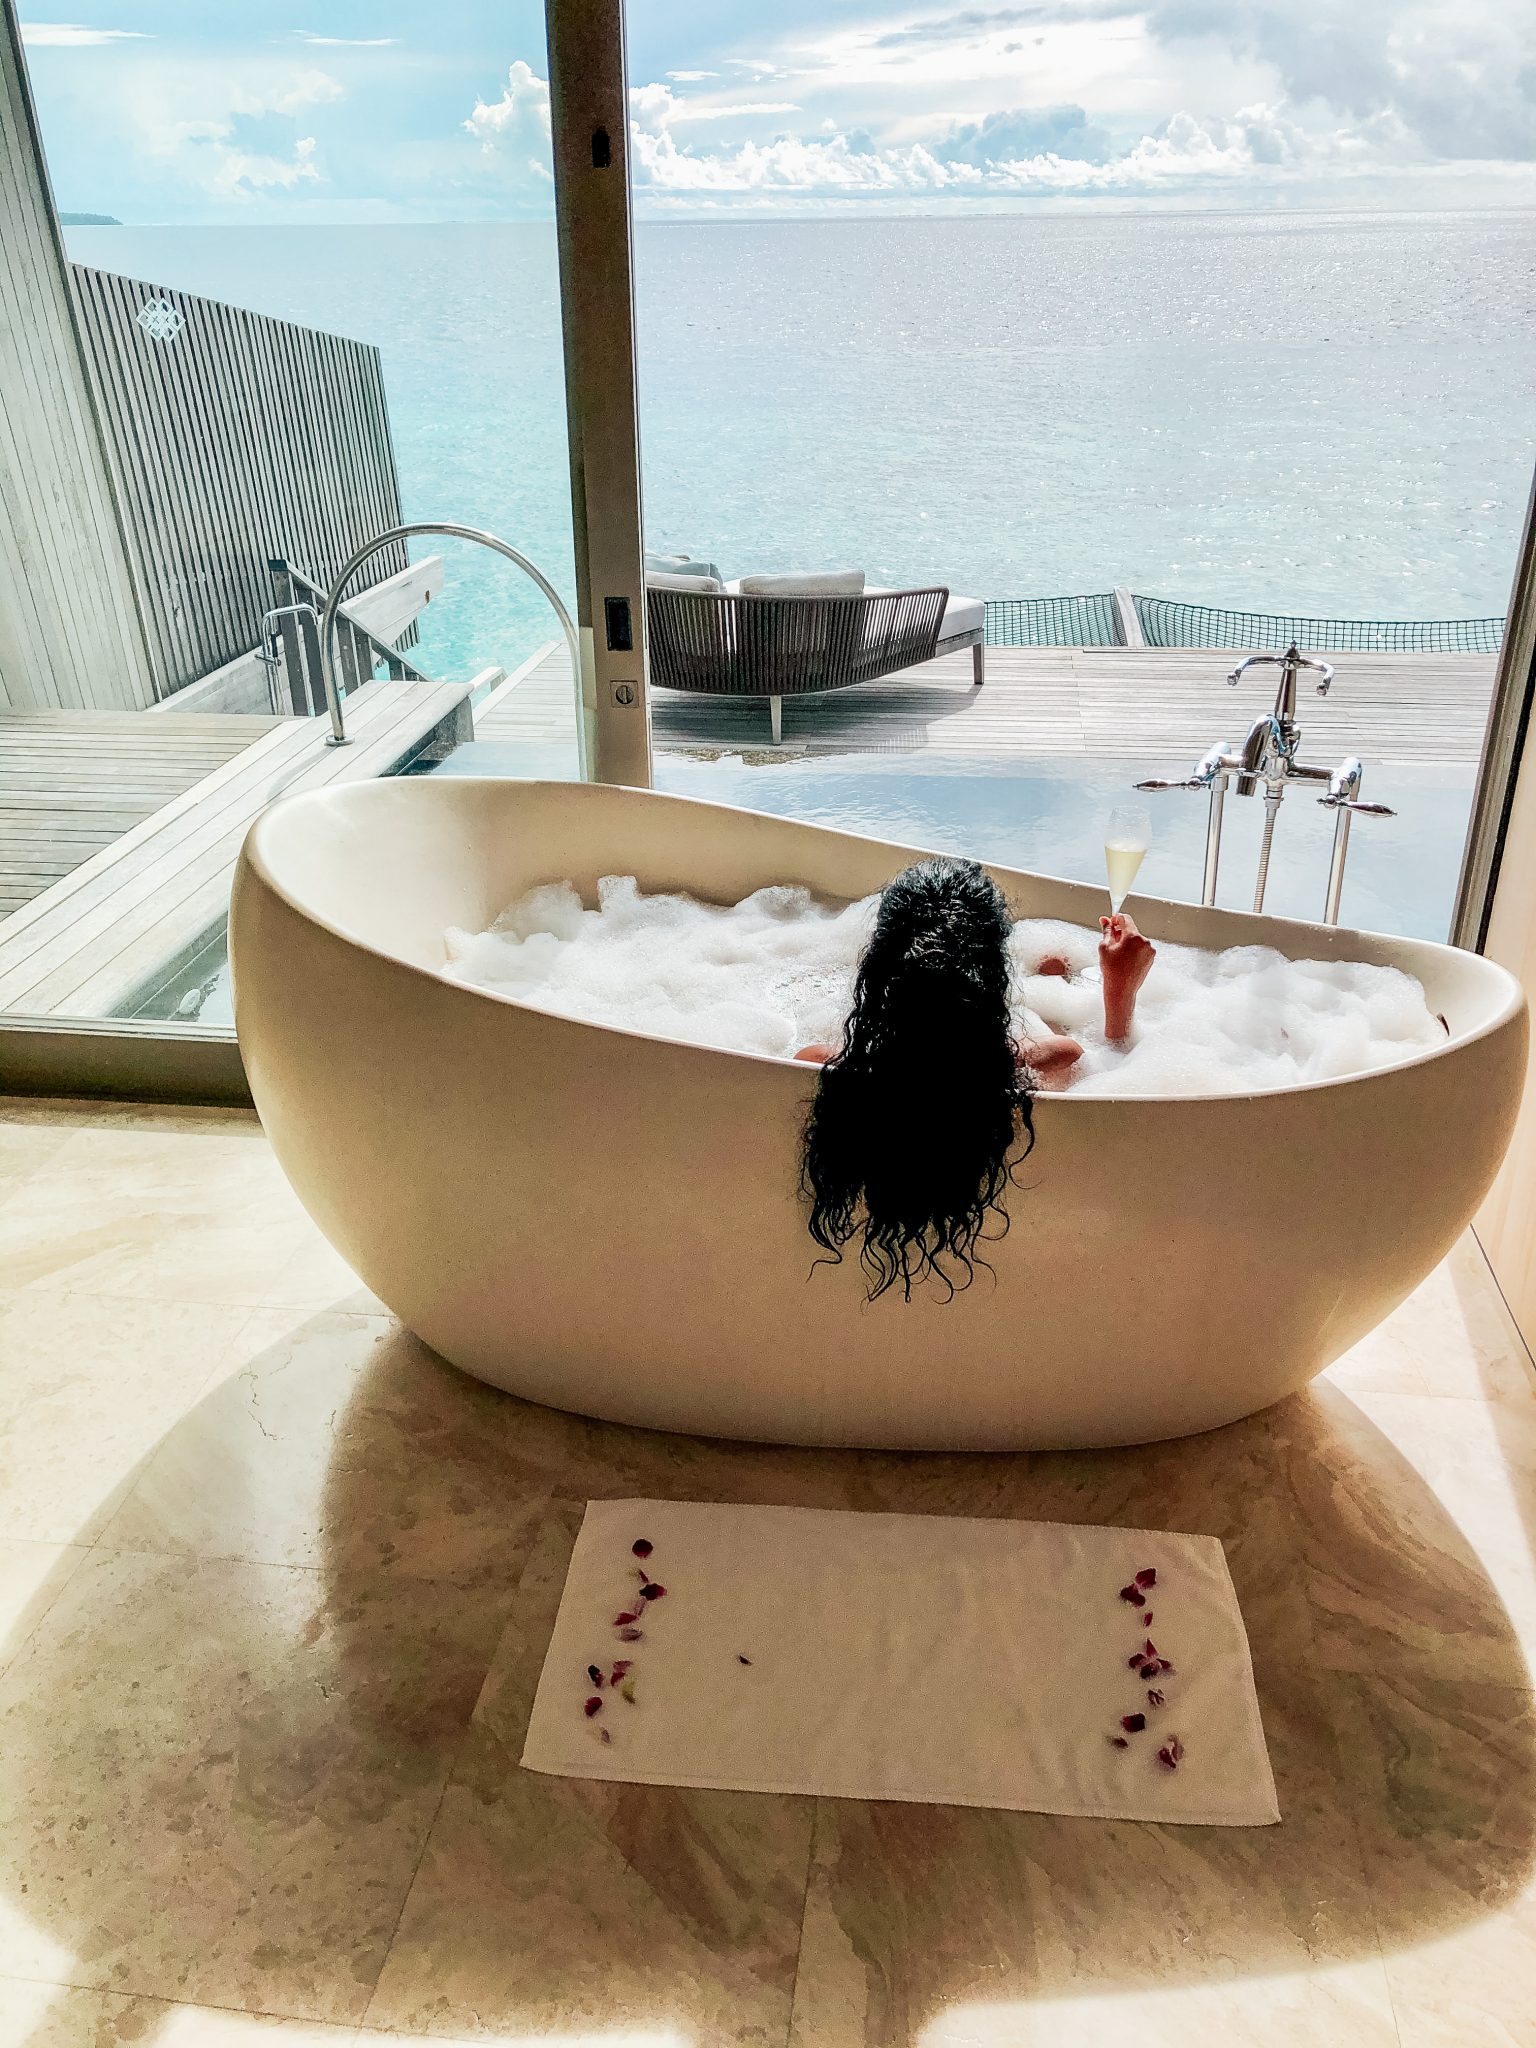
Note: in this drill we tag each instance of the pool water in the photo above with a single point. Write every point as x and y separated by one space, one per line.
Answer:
1050 816
1037 814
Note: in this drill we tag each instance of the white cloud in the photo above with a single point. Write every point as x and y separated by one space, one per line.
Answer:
520 117
72 35
306 35
690 77
193 121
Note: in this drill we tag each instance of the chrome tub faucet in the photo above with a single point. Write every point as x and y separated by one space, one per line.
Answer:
1267 758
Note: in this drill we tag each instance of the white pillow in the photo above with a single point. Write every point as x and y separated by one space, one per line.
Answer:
700 586
813 583
678 565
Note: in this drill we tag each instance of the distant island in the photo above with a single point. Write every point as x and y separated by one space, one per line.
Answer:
89 220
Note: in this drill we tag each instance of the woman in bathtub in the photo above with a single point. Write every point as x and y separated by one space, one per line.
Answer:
908 1140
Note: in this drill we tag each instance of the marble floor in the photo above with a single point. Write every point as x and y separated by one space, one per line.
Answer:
274 1589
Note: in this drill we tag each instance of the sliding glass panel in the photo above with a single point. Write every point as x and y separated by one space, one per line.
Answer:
1123 333
312 267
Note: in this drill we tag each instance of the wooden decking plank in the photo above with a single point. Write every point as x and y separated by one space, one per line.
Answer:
1154 704
94 939
192 893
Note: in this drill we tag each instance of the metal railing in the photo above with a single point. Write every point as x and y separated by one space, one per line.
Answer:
414 530
1166 622
1052 621
290 644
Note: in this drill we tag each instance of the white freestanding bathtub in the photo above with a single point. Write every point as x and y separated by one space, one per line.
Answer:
611 1223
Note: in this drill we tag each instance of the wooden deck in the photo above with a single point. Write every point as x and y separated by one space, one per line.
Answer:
1151 704
71 782
88 944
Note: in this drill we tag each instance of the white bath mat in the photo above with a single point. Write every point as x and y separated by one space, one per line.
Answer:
971 1663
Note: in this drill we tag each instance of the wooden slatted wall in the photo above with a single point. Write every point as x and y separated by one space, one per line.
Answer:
232 438
69 633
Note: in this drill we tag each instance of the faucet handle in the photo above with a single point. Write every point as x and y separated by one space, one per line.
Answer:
1191 782
1353 803
1292 658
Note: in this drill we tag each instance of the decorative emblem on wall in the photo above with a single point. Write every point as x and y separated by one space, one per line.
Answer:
160 320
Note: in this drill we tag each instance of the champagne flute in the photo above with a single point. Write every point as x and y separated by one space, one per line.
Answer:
1127 835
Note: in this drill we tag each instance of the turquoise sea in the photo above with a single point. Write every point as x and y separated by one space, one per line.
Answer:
1329 413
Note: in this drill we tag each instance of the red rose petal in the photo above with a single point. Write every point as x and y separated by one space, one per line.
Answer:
742 1660
1148 1670
1133 1595
1133 1723
619 1669
623 1620
1119 1742
651 1591
1163 1664
603 1735
642 1548
1170 1753
1147 1577
1154 1697
631 1635
1147 1619
594 1674
1135 1660
593 1706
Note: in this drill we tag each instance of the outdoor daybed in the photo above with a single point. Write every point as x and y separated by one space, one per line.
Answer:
778 643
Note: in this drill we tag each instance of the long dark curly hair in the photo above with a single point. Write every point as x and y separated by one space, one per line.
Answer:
908 1140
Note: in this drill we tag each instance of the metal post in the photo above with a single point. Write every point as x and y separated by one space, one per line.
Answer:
1213 840
1272 801
589 116
1342 820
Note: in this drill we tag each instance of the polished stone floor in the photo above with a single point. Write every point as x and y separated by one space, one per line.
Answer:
274 1588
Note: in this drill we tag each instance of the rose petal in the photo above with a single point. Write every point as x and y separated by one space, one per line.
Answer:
1133 1595
651 1591
623 1620
742 1660
619 1669
1163 1664
1149 1648
604 1736
1147 1619
1147 1577
593 1706
631 1635
641 1548
1119 1742
627 1691
1136 1660
1148 1670
594 1674
1133 1723
1170 1753
1154 1697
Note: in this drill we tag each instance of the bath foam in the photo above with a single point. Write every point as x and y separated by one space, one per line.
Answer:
775 972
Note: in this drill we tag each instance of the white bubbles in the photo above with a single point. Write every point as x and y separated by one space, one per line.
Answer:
775 972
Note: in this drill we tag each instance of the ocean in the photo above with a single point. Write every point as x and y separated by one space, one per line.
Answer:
1317 413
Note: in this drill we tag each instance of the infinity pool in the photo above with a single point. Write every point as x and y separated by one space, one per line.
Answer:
1042 814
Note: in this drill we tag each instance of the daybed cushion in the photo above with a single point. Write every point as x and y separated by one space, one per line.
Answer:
678 565
696 586
963 615
812 583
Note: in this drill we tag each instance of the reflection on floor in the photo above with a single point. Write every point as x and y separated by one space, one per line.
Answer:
275 1586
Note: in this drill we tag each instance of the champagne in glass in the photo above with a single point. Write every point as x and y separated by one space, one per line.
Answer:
1127 836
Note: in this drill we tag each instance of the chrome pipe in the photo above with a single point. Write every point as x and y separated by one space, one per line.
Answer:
1213 838
414 530
1273 797
1343 818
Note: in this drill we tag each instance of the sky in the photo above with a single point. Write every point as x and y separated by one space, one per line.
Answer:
214 111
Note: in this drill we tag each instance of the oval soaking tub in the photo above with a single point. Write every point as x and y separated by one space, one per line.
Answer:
609 1222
